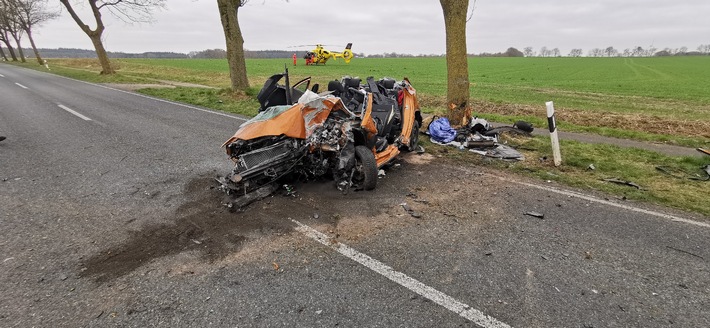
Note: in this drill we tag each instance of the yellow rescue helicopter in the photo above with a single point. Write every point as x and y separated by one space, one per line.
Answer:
320 55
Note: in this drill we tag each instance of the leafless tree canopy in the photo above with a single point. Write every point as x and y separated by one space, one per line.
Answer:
25 15
131 11
126 10
29 13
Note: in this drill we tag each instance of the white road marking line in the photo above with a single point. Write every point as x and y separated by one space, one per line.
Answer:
2 75
73 112
606 202
215 112
402 279
21 86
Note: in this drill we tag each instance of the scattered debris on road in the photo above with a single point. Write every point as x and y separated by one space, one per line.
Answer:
685 252
535 214
410 211
623 182
681 174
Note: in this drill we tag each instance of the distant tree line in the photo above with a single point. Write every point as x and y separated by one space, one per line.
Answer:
638 51
510 52
84 53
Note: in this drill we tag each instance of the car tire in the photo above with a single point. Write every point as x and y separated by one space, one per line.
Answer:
366 167
414 137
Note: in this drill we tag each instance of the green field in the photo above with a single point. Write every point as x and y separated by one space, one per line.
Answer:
662 99
585 83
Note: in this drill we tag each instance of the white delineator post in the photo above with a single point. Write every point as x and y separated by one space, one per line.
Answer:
557 156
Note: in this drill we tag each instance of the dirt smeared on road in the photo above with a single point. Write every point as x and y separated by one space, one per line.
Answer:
205 226
202 224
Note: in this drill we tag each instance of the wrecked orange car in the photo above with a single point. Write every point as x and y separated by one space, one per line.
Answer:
346 133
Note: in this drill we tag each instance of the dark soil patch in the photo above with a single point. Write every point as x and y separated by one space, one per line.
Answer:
204 225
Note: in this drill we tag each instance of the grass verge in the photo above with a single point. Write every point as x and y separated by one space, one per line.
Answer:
218 99
670 181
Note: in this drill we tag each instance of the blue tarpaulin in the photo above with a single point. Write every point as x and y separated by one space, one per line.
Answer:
441 131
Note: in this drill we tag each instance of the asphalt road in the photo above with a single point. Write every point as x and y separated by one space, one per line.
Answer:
109 218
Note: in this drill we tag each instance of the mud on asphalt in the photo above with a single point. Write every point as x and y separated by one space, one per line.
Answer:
203 225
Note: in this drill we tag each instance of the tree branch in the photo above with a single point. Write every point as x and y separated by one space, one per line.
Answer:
473 7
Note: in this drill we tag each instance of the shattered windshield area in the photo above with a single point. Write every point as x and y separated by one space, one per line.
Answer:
267 114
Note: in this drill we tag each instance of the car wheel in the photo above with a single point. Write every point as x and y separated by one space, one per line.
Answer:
365 168
414 137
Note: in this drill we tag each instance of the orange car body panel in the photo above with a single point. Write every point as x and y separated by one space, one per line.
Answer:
386 155
300 120
410 105
289 123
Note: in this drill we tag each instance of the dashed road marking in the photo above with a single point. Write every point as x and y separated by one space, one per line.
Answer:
21 86
214 112
74 112
2 75
448 302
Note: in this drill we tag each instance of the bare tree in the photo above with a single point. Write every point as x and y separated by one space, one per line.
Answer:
528 52
610 51
126 10
2 53
11 28
228 12
5 34
457 93
596 52
29 14
575 52
4 37
543 51
638 52
555 52
627 52
650 51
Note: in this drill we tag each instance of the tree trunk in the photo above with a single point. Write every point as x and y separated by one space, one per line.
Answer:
457 94
228 11
10 50
94 35
102 55
34 47
19 48
2 52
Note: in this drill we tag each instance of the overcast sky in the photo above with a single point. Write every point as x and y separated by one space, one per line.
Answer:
402 26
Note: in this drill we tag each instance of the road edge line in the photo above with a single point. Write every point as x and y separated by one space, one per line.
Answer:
606 202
